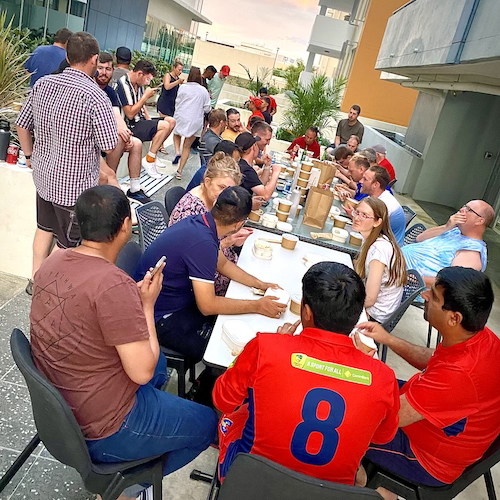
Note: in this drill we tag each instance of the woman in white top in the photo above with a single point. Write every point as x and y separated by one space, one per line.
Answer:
380 263
191 104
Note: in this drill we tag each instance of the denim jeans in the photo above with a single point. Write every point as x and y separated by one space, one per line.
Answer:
157 423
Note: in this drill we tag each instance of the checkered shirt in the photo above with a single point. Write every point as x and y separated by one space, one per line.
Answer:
73 121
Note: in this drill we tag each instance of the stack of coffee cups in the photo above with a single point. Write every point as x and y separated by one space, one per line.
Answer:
283 210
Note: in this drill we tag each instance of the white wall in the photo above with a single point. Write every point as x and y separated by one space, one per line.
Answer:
171 13
330 34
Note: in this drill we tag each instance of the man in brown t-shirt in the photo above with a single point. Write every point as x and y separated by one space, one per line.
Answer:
350 126
93 336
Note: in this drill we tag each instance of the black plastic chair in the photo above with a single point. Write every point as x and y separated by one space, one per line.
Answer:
392 183
127 260
409 214
152 220
412 233
172 197
378 476
414 285
63 438
251 477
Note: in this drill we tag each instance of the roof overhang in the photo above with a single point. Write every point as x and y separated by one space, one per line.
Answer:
195 15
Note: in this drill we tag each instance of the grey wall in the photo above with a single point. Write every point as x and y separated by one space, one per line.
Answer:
455 170
117 23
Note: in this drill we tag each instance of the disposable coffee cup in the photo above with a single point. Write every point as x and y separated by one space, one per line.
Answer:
339 221
355 239
306 166
255 215
282 216
302 182
284 205
304 175
295 301
299 208
289 241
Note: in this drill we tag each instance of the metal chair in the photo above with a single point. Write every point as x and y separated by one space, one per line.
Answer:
378 476
152 220
412 233
414 285
172 197
250 477
409 214
63 438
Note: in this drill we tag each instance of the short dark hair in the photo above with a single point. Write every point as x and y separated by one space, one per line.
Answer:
232 111
147 67
233 204
263 90
81 47
253 120
105 57
211 68
100 212
313 129
62 35
361 160
381 176
342 152
216 116
194 75
335 294
468 292
260 127
356 108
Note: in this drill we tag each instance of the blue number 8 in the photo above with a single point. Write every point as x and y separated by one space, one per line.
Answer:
311 423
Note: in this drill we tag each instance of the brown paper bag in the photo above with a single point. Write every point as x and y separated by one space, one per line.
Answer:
318 204
327 172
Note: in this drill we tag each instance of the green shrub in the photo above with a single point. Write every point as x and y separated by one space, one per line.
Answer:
282 134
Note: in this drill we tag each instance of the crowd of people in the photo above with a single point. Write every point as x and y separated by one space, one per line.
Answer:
105 356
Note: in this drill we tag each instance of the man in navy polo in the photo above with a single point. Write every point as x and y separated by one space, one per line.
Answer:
187 305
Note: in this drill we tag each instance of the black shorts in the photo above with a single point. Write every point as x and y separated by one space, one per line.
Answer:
58 220
145 130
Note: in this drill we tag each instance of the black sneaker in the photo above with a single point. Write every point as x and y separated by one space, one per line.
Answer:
139 196
29 287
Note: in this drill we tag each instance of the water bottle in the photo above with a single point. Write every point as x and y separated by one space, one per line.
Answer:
4 138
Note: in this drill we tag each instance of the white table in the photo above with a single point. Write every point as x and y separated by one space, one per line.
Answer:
286 269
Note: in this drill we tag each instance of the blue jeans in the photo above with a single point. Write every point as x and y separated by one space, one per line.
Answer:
157 423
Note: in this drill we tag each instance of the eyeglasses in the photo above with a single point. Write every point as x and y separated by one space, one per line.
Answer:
469 209
361 215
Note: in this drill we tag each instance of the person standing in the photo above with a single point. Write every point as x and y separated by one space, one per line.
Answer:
171 81
216 83
191 104
350 126
273 107
46 58
73 122
123 58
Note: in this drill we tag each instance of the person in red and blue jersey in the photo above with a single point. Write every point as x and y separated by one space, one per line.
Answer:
312 402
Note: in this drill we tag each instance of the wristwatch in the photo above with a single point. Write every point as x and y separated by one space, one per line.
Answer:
28 157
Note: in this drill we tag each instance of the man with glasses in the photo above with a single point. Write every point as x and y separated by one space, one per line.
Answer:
459 242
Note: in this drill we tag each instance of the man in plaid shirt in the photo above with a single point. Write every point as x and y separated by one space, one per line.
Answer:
73 122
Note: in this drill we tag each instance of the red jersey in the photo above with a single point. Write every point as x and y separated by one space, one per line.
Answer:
311 402
301 142
272 104
388 166
254 113
458 396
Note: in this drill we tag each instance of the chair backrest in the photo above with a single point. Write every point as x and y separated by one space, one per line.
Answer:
128 257
172 197
392 183
414 285
251 477
152 220
409 214
412 233
54 420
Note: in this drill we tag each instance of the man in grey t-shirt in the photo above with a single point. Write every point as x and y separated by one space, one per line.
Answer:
349 126
216 125
122 66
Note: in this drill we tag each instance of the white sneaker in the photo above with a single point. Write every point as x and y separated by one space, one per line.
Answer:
146 494
150 168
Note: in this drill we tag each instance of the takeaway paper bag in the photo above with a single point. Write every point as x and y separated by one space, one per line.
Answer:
318 204
328 172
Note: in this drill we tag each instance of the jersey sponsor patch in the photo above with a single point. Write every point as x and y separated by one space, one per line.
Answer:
224 425
342 372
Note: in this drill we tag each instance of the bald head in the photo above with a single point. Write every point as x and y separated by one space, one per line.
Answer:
484 209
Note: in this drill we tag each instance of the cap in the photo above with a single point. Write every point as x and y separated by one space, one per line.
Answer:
225 70
378 148
256 100
124 54
246 140
263 90
227 147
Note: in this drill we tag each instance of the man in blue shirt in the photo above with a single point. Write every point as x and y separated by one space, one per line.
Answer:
186 307
46 58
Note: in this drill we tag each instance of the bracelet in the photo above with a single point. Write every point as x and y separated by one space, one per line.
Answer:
28 157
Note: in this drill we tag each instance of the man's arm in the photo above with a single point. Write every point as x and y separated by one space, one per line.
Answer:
267 190
407 414
416 356
25 140
432 232
131 110
124 132
467 258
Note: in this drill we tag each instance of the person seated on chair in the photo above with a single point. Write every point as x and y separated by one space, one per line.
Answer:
186 307
211 137
450 411
93 336
221 171
357 166
307 142
311 402
380 262
459 242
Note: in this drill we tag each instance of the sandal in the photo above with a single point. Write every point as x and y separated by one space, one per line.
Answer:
178 176
163 151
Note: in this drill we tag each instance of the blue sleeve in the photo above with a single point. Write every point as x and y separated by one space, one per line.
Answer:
201 261
197 178
397 223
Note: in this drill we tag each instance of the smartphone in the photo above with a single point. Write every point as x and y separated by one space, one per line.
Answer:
158 265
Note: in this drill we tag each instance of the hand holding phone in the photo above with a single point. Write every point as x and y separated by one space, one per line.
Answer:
158 266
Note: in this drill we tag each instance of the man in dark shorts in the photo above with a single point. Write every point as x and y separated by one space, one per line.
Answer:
133 97
73 122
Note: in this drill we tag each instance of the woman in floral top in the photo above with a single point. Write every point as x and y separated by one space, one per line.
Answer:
222 171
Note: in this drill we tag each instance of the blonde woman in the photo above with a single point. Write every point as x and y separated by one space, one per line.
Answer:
222 171
380 263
